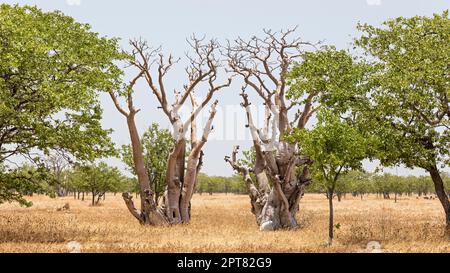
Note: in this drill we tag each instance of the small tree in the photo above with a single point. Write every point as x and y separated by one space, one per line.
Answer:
97 179
334 147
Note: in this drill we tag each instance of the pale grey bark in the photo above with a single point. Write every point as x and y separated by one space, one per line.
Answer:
59 164
277 180
181 174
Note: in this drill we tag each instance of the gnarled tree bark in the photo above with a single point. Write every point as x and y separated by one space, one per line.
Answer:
278 178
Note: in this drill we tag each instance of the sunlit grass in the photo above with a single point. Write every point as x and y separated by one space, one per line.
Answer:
223 223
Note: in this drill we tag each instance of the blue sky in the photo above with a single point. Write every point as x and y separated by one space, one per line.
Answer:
169 22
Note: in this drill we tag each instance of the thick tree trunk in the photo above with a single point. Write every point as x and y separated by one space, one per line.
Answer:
441 194
331 218
188 186
149 213
281 205
176 206
138 160
275 214
274 207
174 178
181 180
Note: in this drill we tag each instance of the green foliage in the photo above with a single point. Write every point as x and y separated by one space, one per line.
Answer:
334 146
97 179
220 184
358 183
25 179
51 68
249 159
336 79
333 77
156 145
409 107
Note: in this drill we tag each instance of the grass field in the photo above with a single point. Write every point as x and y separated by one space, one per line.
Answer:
223 223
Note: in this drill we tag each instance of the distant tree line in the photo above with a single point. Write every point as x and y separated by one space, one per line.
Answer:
354 183
78 180
387 186
220 184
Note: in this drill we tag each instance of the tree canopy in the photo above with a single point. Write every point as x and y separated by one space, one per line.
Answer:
410 89
408 105
98 179
51 68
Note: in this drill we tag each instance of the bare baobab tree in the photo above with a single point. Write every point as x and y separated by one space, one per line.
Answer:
59 164
182 173
277 180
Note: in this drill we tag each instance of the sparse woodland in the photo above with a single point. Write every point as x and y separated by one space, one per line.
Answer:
326 111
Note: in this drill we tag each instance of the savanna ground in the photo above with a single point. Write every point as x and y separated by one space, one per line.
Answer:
223 223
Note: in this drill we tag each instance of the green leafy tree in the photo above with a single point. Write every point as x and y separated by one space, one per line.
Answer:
238 185
220 184
334 79
201 183
25 179
335 147
156 146
408 187
388 184
409 101
359 182
205 184
423 185
50 69
98 180
382 186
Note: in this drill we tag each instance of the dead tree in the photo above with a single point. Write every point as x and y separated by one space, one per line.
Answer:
277 180
59 164
182 168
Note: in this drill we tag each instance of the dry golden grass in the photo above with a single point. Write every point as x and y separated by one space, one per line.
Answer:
223 223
